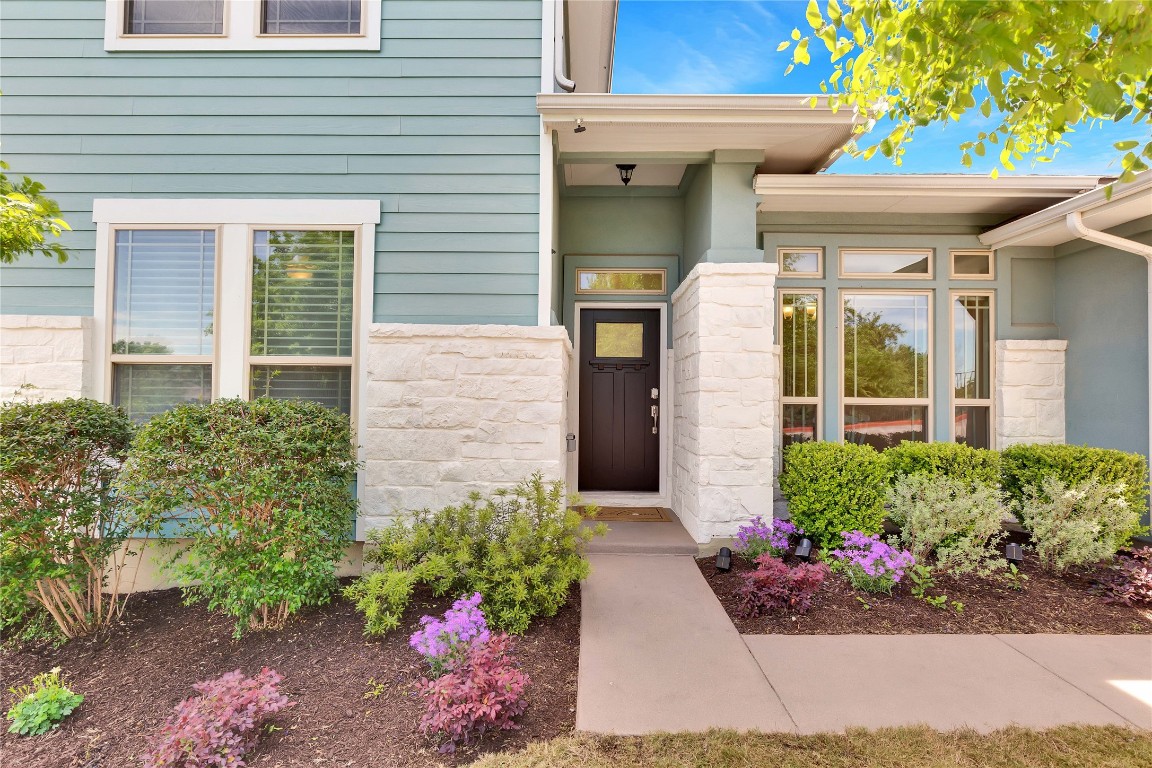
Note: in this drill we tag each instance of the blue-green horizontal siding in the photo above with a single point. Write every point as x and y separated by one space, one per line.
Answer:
439 125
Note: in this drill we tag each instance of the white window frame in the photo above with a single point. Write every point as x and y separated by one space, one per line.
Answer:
954 275
928 402
242 24
235 221
929 275
662 291
959 402
818 400
819 250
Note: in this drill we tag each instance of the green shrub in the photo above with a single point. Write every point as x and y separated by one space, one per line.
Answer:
262 490
833 487
953 460
961 523
1027 466
1077 525
520 549
59 523
43 705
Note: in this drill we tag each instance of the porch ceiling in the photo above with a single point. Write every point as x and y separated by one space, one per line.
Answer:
790 136
1006 196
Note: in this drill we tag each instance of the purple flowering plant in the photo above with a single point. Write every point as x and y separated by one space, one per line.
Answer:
758 537
445 642
870 563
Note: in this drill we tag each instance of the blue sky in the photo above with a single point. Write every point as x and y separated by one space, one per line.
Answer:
729 46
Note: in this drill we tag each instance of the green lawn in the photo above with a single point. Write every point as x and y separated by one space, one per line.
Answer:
913 747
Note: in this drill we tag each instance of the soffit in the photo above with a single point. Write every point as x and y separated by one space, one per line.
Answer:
1007 196
608 175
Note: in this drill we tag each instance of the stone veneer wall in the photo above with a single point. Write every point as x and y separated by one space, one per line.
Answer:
726 385
1029 391
458 408
45 357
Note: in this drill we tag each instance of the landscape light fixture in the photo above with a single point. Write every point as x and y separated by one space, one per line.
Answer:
724 560
804 550
626 171
1014 554
580 127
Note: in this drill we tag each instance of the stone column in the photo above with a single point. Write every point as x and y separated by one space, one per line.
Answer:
453 409
1029 391
725 397
45 357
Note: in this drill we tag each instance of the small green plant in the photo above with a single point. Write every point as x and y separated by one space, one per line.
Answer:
832 488
1025 467
42 705
521 549
955 461
1014 578
1079 525
922 582
375 689
61 527
958 521
261 489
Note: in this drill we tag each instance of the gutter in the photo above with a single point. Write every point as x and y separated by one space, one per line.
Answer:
560 50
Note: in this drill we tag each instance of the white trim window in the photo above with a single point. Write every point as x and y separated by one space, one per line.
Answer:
801 339
197 299
242 25
972 377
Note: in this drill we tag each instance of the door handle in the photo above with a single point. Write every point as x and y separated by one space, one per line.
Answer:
655 417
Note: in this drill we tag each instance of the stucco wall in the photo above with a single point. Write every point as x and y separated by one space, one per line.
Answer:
45 358
455 409
724 402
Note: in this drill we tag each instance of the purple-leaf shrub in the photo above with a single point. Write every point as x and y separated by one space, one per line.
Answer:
445 642
220 725
483 692
1129 581
773 586
871 564
759 537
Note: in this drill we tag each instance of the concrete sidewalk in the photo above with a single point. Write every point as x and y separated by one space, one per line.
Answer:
658 653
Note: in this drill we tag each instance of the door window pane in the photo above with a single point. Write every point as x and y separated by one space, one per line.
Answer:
799 341
619 340
146 390
621 281
974 425
971 326
302 293
886 345
163 292
883 426
328 385
311 17
889 262
174 17
799 423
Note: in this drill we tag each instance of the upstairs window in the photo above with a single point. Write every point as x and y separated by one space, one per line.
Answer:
242 25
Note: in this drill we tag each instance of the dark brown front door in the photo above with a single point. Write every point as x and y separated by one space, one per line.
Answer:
620 399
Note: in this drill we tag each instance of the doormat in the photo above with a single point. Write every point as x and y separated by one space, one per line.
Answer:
632 514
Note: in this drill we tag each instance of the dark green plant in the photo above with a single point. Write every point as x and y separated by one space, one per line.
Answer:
832 488
952 460
61 530
521 549
1028 466
43 705
261 489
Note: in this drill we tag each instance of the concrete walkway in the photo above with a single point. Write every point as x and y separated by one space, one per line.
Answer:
658 653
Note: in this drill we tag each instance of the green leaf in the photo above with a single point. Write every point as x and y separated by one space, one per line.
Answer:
1125 145
784 45
986 107
795 34
813 16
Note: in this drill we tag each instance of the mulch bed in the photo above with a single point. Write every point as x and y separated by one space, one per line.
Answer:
356 702
1047 604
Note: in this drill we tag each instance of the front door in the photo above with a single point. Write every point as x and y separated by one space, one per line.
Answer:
620 399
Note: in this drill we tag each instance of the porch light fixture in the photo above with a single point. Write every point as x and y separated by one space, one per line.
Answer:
626 171
804 550
580 127
724 560
1014 554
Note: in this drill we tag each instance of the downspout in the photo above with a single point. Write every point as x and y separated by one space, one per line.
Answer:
560 50
1075 223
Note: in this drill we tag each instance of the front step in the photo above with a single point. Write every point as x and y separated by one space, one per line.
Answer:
663 538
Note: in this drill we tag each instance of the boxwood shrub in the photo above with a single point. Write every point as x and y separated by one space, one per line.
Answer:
952 460
833 487
261 488
1028 466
